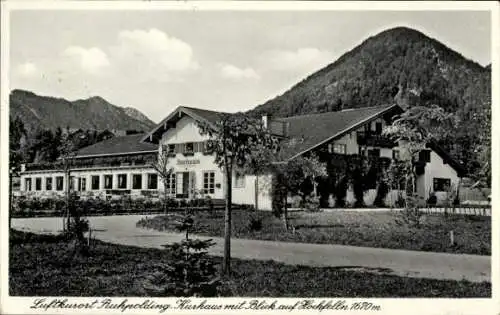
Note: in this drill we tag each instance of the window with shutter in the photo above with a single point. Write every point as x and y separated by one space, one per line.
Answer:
425 156
189 148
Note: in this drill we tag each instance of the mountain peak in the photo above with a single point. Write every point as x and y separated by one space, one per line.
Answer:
97 99
402 30
392 63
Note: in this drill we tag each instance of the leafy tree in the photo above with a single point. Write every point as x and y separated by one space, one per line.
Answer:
161 166
232 138
414 130
481 120
297 177
16 133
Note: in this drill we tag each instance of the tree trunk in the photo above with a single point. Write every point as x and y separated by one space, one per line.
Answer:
285 212
68 192
256 192
165 195
226 266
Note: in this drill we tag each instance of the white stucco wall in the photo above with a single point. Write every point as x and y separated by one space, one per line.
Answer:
186 130
246 194
350 142
438 169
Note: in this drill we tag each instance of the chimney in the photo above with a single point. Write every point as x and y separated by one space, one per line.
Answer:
265 121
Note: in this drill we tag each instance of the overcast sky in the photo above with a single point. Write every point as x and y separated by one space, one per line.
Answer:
229 61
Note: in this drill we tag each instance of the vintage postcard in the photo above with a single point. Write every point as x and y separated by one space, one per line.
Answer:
249 157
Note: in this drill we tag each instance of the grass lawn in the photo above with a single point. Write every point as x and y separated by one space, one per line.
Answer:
37 268
372 229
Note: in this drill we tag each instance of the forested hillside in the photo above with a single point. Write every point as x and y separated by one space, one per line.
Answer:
405 66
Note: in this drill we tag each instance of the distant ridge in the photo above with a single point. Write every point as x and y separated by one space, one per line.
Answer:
94 113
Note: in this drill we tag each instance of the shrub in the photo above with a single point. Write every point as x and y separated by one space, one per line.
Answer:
341 193
278 195
400 202
432 200
77 226
189 272
254 223
59 203
183 203
172 203
382 191
358 187
209 202
311 203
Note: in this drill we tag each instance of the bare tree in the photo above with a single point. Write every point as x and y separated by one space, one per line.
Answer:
165 172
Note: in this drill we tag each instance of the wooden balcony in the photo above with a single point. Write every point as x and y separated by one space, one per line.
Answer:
374 140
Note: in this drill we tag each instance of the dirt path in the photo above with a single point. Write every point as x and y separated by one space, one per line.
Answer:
122 230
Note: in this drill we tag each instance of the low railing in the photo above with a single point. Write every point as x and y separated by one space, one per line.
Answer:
375 140
476 210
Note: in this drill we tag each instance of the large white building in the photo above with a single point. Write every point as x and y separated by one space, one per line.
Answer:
121 165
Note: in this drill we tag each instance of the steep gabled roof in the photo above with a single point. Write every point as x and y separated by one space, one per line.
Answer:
201 115
117 146
307 132
447 158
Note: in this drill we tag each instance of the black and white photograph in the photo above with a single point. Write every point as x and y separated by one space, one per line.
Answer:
163 158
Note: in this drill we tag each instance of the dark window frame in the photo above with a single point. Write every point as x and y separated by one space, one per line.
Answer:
38 183
152 184
59 183
208 182
440 184
122 181
28 184
425 156
95 184
396 155
134 181
189 148
336 146
108 179
48 183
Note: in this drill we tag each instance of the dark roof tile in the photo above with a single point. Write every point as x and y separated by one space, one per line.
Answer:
307 131
117 145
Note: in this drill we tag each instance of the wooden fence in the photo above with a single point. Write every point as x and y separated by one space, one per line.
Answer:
478 210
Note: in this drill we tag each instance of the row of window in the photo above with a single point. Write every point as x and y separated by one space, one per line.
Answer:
81 182
186 148
48 183
339 148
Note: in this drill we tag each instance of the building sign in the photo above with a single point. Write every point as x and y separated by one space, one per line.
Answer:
187 162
